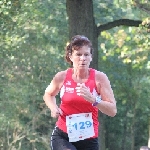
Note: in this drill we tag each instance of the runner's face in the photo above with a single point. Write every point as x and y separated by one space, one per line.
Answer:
81 58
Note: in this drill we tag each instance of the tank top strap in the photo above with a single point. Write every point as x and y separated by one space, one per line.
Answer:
69 74
92 74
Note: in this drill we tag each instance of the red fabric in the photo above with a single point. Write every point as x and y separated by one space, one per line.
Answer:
71 103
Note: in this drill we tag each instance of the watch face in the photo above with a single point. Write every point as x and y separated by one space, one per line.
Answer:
98 99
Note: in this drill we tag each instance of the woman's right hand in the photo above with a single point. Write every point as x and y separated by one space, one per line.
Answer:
56 112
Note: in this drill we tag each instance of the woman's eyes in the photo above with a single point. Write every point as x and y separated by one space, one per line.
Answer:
78 54
81 54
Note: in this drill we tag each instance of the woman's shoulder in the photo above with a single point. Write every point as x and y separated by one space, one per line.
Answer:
100 76
60 76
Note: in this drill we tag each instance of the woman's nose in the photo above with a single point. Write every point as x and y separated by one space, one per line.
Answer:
82 57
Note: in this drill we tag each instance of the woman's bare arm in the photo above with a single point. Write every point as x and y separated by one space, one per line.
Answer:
108 103
51 91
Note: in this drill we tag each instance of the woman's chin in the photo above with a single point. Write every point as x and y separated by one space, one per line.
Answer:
83 67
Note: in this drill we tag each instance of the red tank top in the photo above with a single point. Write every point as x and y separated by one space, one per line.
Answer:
71 103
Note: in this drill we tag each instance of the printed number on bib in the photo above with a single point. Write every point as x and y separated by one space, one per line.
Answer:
82 125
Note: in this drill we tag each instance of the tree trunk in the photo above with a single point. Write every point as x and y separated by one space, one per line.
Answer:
81 21
102 131
133 130
124 133
149 134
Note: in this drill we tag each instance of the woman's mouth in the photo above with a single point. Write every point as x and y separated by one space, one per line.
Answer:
82 64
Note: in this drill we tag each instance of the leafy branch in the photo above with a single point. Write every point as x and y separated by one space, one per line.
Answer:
143 6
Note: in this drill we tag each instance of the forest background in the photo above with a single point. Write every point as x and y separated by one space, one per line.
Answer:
33 36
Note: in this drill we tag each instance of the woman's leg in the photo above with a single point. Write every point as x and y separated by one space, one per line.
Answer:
60 141
87 144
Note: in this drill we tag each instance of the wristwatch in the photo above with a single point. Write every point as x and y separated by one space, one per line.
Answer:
97 100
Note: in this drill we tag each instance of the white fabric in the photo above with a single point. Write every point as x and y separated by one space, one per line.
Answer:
79 126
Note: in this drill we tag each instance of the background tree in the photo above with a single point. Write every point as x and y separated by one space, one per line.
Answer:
33 36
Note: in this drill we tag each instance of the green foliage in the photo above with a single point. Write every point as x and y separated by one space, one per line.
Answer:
33 36
30 45
114 10
125 59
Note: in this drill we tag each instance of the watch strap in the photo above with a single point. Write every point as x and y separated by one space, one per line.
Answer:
95 103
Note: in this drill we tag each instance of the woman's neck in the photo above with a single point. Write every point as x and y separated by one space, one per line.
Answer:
80 75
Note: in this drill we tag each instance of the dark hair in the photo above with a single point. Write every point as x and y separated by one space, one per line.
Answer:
76 43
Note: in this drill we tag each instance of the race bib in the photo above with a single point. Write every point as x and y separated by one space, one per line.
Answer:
79 126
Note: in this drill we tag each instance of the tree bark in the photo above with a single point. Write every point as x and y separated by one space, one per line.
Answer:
81 21
119 22
102 131
124 133
133 130
149 133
